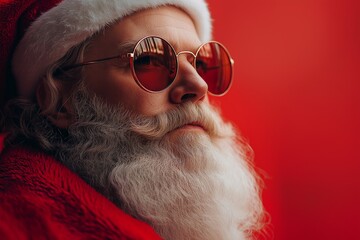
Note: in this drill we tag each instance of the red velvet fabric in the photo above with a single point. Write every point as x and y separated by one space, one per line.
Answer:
2 138
42 199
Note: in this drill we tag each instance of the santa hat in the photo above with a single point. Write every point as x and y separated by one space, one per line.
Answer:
37 33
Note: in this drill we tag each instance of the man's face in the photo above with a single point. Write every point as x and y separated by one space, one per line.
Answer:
114 82
143 151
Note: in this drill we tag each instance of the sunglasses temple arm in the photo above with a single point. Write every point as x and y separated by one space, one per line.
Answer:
66 68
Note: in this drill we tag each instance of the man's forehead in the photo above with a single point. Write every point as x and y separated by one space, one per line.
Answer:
167 22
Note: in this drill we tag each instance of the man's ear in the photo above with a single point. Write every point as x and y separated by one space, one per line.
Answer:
55 103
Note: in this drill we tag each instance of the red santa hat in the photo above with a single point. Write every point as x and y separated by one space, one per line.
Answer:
37 33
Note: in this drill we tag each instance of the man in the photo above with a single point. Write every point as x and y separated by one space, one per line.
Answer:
117 93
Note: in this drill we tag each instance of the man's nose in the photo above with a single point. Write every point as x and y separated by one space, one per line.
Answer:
188 85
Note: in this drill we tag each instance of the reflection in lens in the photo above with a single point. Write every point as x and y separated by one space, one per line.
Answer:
214 65
154 64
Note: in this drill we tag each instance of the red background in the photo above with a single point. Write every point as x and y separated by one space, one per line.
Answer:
296 99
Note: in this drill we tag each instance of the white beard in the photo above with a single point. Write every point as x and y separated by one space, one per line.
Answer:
186 184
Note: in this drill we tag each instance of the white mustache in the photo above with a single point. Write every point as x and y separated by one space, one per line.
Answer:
156 127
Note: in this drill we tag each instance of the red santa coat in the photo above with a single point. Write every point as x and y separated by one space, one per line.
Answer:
42 199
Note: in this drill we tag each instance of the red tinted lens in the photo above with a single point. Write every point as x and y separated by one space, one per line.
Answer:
213 63
154 64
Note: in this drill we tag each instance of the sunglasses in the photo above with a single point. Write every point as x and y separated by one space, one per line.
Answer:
154 64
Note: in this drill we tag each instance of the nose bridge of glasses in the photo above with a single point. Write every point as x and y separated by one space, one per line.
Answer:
193 56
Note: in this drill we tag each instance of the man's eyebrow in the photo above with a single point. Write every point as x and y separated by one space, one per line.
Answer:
126 47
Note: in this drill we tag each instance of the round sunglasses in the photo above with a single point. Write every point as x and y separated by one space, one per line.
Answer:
154 64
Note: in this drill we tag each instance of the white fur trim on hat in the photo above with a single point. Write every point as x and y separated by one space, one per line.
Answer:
72 21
